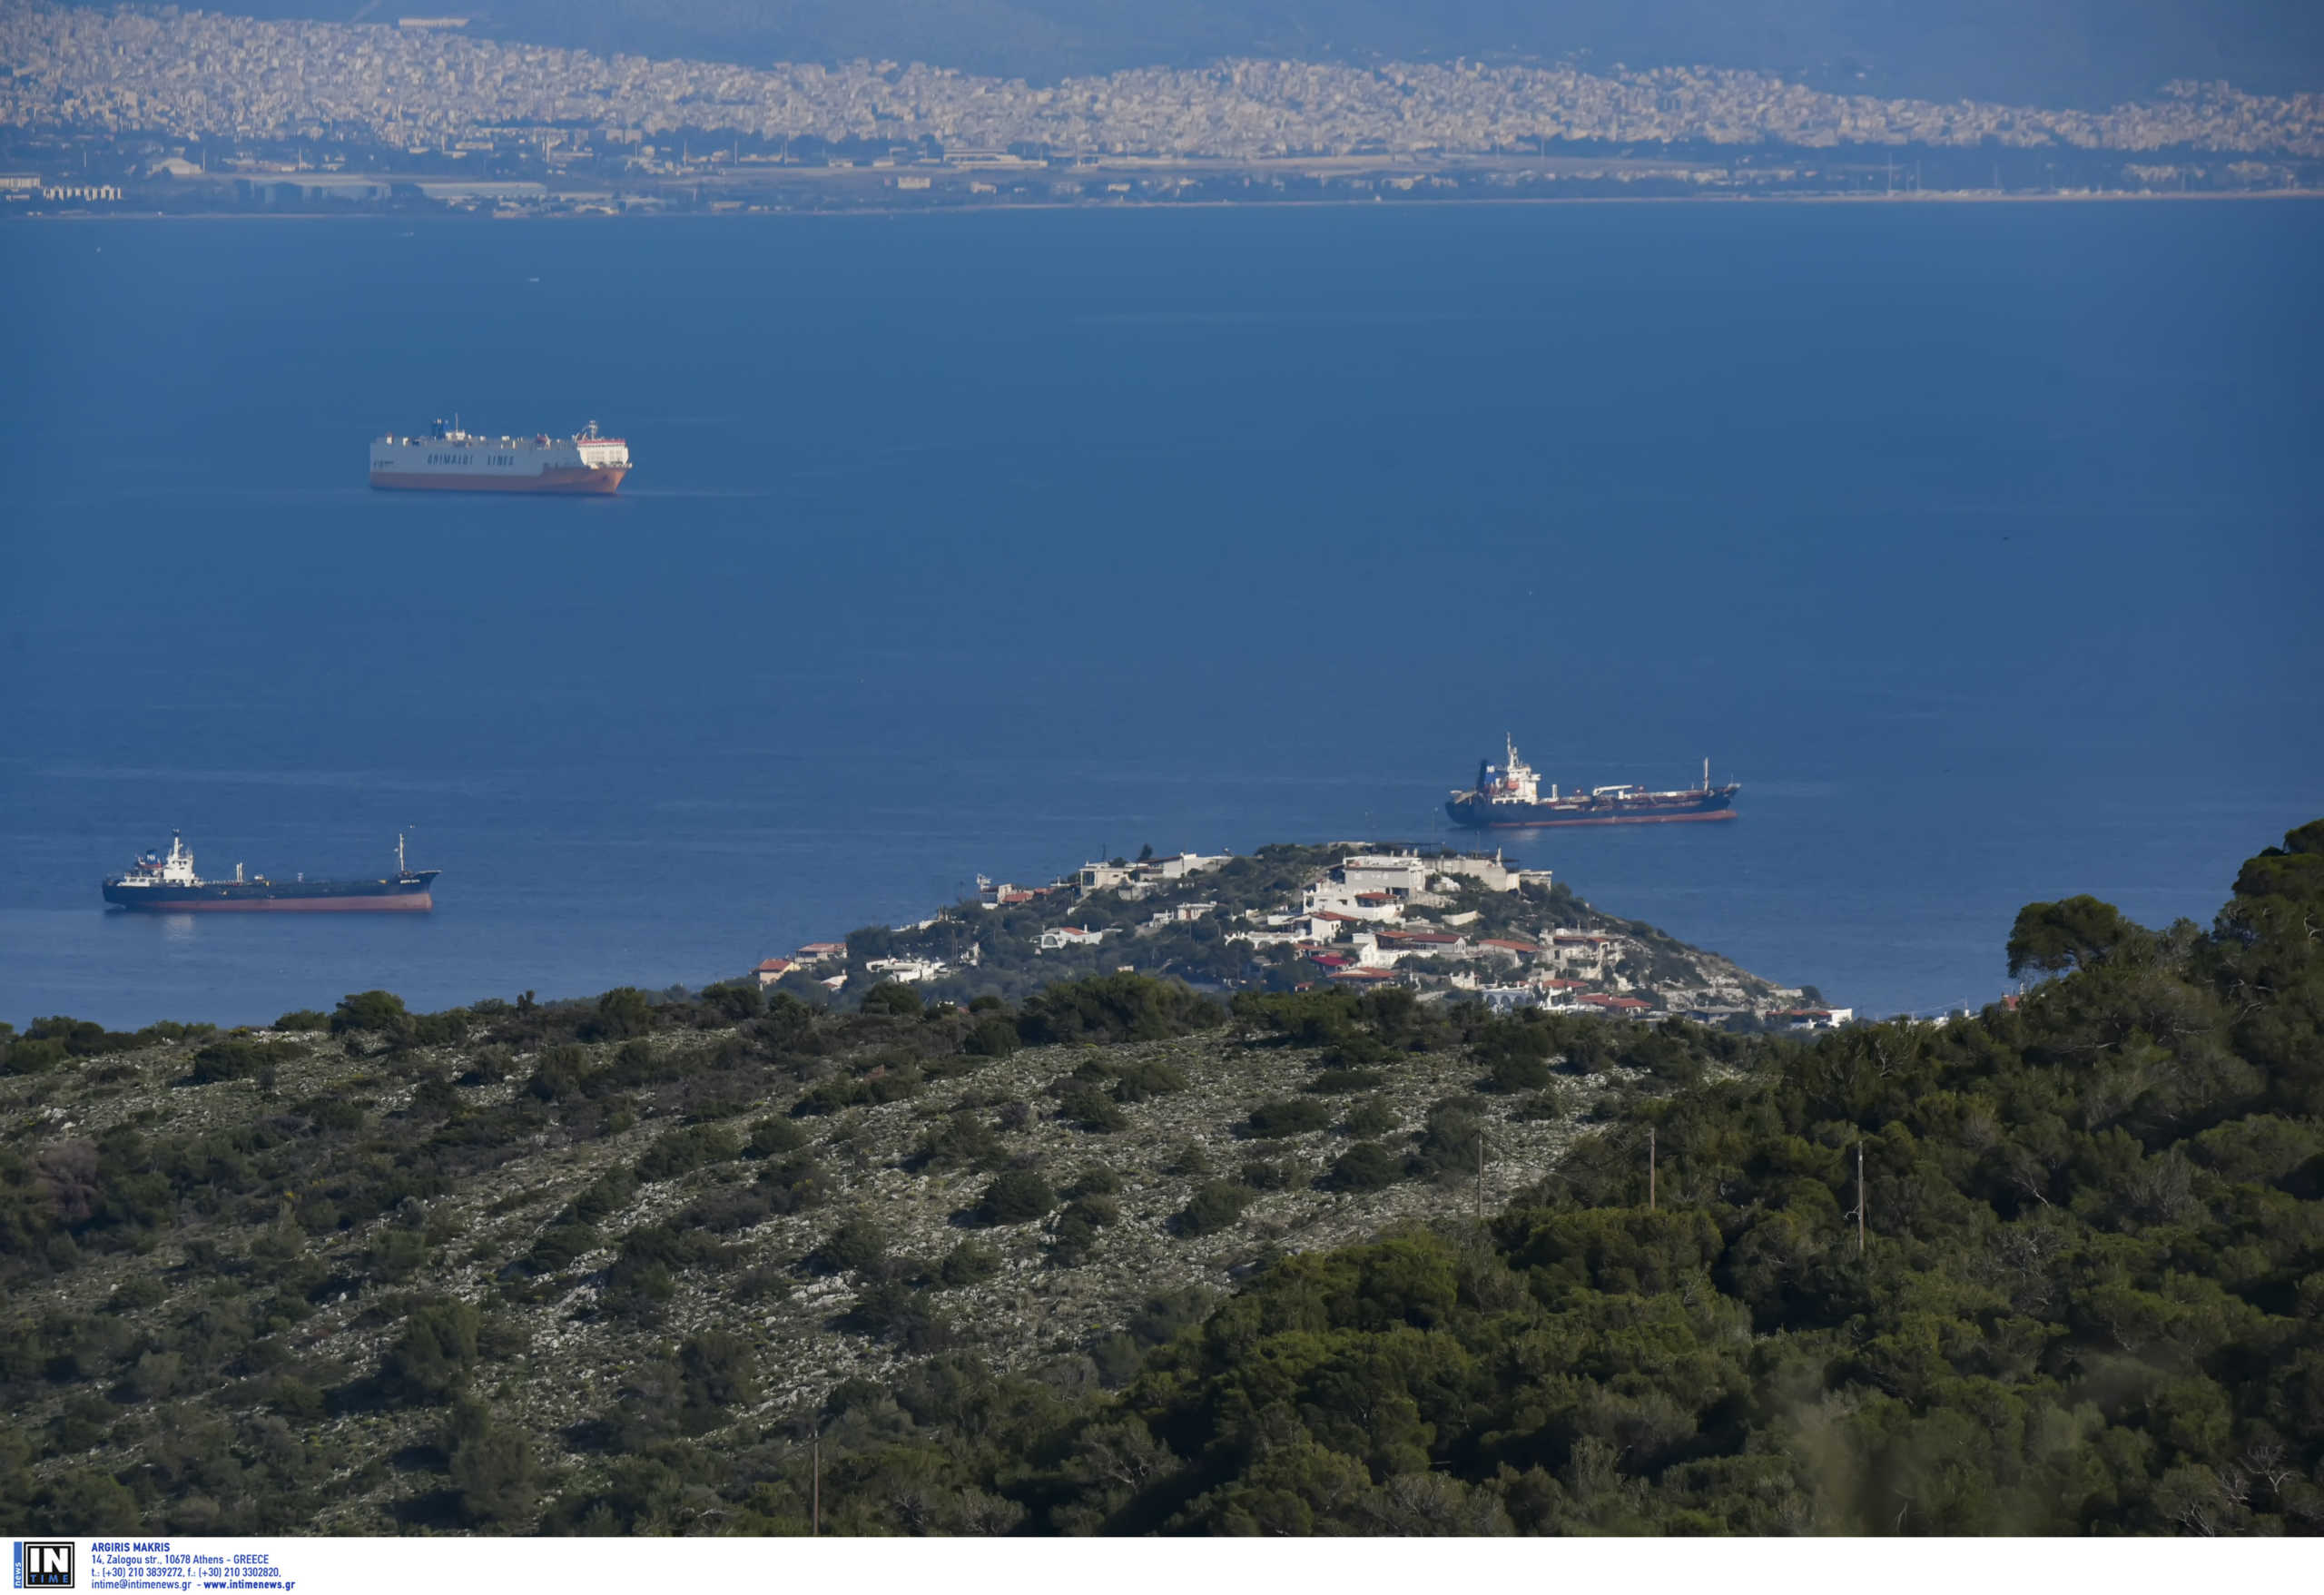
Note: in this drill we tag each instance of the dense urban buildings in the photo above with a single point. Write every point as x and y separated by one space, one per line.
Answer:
194 76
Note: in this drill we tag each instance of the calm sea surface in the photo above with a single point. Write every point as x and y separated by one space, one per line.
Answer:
1980 543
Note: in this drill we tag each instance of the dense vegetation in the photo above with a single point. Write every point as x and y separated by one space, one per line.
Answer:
2088 1295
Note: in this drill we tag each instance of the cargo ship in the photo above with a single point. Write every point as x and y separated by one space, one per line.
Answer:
155 884
448 460
1509 794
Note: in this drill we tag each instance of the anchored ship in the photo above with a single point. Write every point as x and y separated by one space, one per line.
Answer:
1510 794
156 884
447 459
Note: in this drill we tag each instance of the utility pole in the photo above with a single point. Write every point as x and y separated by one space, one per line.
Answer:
1650 1170
817 1507
1859 1198
1481 1177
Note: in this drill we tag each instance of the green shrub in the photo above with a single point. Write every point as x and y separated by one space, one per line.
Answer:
1451 1138
431 1358
620 1014
969 1263
1216 1206
1358 1051
716 1372
1115 1008
732 1002
772 1136
1369 1119
396 1254
1274 1120
832 1095
497 1479
1264 1174
1300 1018
235 1058
964 1140
993 1035
561 1073
1149 1077
682 1151
303 1019
859 1243
1097 1212
369 1011
607 1195
1089 1108
33 1056
891 1085
1547 1105
557 1247
1018 1196
892 1311
1514 1071
1332 1082
795 1184
1077 1227
894 998
1366 1167
81 1037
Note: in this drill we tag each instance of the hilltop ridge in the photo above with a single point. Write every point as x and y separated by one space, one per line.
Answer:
1122 1258
1436 921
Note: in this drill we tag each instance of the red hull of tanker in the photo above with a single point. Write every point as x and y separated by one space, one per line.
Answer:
1601 820
417 902
596 479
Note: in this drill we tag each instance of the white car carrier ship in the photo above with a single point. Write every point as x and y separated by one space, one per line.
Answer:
447 459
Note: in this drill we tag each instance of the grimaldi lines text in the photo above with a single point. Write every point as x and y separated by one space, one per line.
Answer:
447 459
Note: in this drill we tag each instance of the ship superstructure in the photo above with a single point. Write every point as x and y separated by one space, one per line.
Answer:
157 883
447 459
1508 795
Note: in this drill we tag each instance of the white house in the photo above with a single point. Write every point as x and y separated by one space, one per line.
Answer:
1397 873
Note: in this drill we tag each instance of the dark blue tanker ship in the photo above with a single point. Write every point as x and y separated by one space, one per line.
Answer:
169 886
1508 797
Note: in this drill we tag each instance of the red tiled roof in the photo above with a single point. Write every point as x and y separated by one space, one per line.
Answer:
772 966
1509 946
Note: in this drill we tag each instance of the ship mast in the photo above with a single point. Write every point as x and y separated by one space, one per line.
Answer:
400 868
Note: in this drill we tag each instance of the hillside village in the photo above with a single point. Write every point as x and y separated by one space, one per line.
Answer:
1439 923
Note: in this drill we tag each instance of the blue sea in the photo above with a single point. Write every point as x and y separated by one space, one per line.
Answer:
1980 543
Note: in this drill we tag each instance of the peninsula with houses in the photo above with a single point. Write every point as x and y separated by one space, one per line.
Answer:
1441 923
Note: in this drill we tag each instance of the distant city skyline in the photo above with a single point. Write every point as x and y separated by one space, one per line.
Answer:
2058 54
194 76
